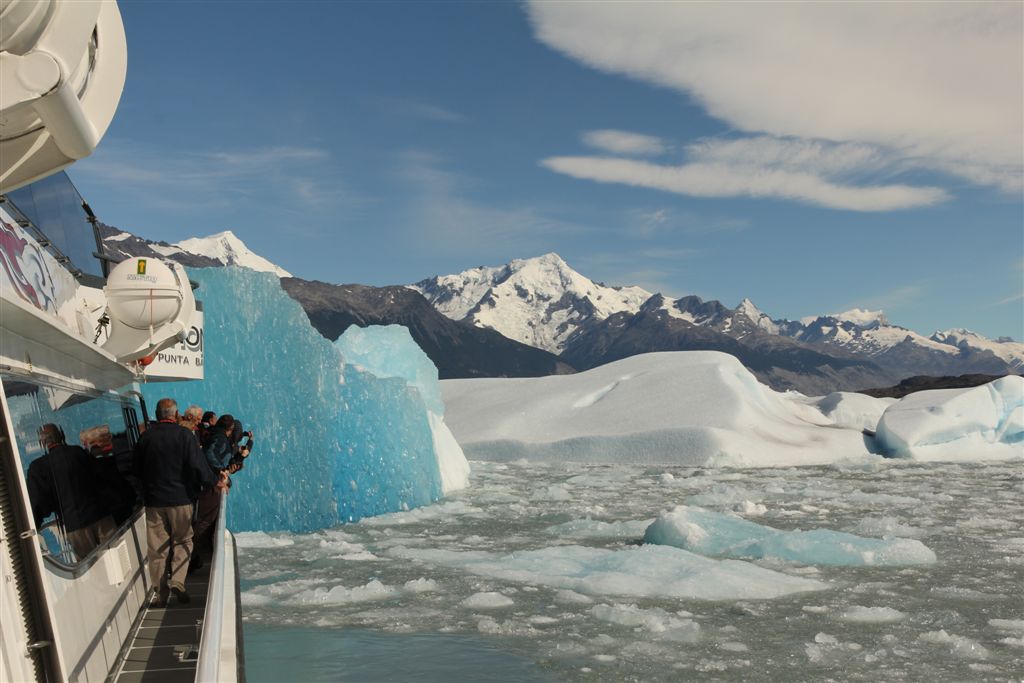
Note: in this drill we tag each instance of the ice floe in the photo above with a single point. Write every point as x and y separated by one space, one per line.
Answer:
712 533
957 424
647 571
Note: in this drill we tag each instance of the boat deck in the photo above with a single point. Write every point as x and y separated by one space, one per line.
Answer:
165 642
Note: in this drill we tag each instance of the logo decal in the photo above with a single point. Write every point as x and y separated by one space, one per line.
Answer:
26 268
140 268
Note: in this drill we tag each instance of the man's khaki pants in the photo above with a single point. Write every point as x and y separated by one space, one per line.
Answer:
169 535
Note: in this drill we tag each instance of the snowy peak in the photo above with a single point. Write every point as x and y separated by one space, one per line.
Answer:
539 301
228 249
1010 351
862 317
757 316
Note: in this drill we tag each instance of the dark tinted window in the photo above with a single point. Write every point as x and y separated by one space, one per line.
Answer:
55 208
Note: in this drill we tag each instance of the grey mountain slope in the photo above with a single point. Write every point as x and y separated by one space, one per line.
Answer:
777 361
457 349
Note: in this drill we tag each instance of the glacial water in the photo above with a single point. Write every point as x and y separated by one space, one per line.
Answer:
515 579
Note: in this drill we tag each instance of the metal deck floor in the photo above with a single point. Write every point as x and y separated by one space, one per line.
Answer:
162 634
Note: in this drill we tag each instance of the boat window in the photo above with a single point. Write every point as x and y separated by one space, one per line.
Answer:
54 207
75 453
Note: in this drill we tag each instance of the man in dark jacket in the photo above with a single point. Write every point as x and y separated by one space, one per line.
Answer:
172 471
62 481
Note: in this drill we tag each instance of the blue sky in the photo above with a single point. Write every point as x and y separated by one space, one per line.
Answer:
814 158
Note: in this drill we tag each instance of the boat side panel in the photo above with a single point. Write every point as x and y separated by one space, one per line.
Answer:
98 606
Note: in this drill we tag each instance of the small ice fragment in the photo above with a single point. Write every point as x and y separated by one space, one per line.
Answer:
488 600
959 646
872 615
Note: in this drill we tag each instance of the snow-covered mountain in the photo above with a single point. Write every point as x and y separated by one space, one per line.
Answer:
223 248
538 301
229 250
543 302
1003 348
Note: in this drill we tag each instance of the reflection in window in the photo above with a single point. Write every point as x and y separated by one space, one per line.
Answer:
76 454
55 208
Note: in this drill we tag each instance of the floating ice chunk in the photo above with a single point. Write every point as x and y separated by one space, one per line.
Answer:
646 571
1007 625
750 509
957 424
557 492
420 585
872 615
488 600
568 597
716 534
886 526
666 478
959 646
424 514
592 528
655 621
853 411
340 595
260 539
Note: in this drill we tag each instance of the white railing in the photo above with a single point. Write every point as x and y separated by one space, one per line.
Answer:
208 667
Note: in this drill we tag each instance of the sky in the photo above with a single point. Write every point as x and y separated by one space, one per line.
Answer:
814 157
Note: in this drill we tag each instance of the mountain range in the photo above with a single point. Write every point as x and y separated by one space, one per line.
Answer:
538 316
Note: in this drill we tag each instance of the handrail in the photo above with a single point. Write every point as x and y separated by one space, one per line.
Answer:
208 666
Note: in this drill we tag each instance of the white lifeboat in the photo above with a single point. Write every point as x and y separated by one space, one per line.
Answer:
150 306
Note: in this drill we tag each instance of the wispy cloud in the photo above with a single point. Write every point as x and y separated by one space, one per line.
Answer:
623 142
653 222
1013 298
751 179
184 180
418 109
443 217
932 86
890 300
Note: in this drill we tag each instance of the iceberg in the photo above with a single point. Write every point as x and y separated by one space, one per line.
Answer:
694 408
389 351
851 410
957 424
719 535
334 443
649 571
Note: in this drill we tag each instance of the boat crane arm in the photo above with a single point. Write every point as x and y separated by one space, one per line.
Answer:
62 70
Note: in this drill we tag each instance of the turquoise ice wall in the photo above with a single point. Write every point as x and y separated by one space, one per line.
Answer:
334 444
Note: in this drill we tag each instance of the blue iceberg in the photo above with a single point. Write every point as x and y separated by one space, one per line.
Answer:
720 535
389 351
334 443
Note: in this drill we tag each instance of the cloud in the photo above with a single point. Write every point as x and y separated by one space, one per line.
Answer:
718 179
936 85
649 223
412 107
893 299
623 142
184 180
1013 298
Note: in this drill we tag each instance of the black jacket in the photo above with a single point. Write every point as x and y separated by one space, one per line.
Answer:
170 466
62 482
